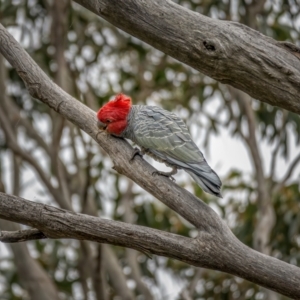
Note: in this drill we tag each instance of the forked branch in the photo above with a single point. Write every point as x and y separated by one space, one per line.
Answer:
215 247
214 251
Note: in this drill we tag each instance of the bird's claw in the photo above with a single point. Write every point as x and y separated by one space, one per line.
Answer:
135 152
172 178
166 174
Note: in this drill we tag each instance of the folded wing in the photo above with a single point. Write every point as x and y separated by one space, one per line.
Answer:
166 136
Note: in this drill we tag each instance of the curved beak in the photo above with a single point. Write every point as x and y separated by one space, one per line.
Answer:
101 125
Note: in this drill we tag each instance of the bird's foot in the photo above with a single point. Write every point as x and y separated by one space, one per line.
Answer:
166 174
136 151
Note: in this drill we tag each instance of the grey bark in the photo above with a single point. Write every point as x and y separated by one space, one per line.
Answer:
215 247
227 51
59 28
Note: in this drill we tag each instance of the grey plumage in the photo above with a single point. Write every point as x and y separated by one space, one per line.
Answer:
165 136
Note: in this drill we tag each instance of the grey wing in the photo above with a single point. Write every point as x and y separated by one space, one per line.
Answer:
166 136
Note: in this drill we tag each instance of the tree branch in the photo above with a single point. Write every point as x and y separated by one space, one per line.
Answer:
215 247
42 88
21 236
260 66
216 252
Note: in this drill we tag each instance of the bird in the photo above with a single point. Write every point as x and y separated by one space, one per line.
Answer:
162 135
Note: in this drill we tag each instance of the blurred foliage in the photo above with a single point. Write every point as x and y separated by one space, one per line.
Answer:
103 61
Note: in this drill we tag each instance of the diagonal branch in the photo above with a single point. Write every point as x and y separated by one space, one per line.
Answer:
264 68
215 247
41 87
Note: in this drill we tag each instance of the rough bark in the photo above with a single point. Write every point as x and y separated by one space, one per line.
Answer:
218 250
227 51
42 88
215 247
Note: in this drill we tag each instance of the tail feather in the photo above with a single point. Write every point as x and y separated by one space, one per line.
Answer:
201 172
207 179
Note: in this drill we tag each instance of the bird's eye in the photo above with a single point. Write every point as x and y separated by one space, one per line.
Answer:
108 121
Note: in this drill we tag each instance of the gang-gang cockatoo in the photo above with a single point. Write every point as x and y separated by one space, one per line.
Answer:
160 134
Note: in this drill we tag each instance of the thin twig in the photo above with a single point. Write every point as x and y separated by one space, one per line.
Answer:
21 236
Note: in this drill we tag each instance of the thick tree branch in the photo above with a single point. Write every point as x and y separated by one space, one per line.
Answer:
215 247
227 51
58 223
42 88
216 252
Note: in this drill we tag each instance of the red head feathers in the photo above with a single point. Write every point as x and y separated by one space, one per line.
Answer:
114 114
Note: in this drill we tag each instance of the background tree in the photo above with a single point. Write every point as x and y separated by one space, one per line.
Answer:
47 157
